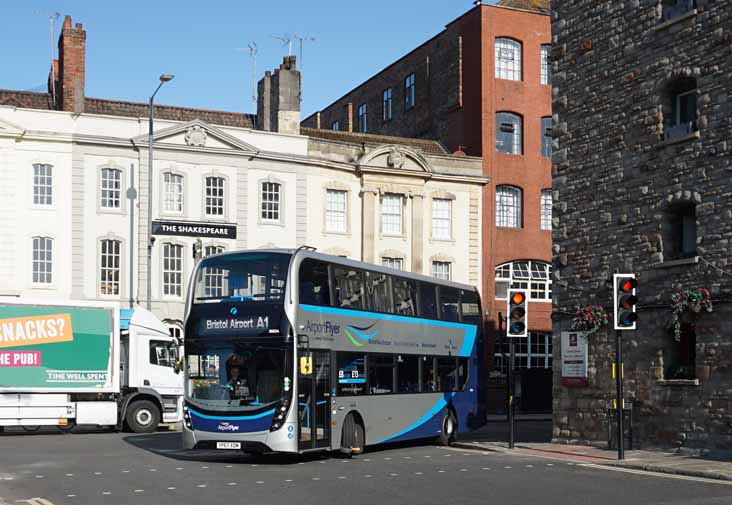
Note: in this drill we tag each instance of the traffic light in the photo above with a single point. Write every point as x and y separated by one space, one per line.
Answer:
517 320
625 301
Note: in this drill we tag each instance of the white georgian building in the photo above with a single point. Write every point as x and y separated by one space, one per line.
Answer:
74 196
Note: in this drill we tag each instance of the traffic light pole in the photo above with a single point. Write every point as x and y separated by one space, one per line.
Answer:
511 391
619 393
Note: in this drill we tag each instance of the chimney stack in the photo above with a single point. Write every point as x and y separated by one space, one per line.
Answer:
71 67
278 100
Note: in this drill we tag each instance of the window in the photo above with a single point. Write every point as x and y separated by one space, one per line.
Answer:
111 188
428 300
387 110
532 276
362 126
270 209
546 64
109 267
42 260
446 373
508 133
675 8
546 209
395 263
409 97
173 192
42 184
351 373
508 207
213 278
429 375
535 351
314 283
508 59
449 308
546 137
172 269
441 270
441 219
391 214
381 374
405 296
215 196
407 374
378 292
336 211
335 126
470 307
682 119
680 233
348 288
162 353
682 355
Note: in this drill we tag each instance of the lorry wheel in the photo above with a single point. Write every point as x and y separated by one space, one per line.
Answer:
143 416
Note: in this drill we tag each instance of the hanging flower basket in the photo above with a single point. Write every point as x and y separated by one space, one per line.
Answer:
693 301
590 319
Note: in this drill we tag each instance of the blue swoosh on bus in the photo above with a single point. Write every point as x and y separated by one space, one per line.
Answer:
356 333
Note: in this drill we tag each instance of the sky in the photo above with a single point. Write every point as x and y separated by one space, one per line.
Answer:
204 44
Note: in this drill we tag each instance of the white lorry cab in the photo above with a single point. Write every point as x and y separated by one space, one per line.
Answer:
86 363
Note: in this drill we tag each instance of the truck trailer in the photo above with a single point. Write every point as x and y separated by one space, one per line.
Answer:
86 363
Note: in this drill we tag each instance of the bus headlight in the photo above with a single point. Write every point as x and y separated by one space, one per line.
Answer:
279 416
187 418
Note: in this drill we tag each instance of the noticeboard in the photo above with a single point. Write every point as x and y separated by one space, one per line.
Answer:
574 359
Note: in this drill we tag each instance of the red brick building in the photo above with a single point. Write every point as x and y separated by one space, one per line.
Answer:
482 86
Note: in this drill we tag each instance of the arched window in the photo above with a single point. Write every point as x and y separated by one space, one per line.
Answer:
508 133
109 266
173 192
111 188
533 276
270 200
508 59
508 206
215 196
42 260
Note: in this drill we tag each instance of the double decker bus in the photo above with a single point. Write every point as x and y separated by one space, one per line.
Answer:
295 351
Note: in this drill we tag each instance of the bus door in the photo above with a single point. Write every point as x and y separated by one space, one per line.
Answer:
313 399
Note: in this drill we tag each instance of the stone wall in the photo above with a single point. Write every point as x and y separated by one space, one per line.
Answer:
619 184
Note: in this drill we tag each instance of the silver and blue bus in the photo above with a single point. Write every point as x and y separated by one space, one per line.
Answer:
295 351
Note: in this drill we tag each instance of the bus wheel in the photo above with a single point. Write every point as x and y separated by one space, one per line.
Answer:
68 427
449 428
352 437
143 416
31 429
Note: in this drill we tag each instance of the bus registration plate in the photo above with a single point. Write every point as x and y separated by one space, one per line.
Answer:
228 445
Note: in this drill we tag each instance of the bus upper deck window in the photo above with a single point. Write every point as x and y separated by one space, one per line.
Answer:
314 285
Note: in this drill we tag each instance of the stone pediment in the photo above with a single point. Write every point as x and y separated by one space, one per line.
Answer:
395 157
195 136
8 129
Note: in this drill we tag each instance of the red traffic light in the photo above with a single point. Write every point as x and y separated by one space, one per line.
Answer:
518 298
627 285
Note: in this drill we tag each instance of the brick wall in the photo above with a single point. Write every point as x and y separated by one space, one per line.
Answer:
617 184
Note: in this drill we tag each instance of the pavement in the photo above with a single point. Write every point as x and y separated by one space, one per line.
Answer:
121 468
532 438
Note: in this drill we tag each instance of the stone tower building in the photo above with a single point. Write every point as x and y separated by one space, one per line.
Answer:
642 183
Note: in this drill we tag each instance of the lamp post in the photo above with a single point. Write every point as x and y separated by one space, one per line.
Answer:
163 79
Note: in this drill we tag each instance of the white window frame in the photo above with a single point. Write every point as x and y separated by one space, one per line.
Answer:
173 202
410 98
42 196
110 197
546 65
213 278
546 209
386 101
534 276
508 60
363 118
214 196
42 260
172 277
506 119
509 207
392 213
336 218
110 263
270 201
441 219
678 98
442 270
524 353
392 262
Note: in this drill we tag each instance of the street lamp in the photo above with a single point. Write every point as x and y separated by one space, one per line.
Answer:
163 79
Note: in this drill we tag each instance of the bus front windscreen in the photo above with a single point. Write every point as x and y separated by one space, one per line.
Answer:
236 374
242 277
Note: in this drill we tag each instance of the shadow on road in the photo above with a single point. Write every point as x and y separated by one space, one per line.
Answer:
526 431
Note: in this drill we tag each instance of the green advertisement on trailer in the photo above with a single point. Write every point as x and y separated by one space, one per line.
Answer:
55 347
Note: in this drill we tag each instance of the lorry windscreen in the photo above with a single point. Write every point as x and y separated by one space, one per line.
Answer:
242 277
